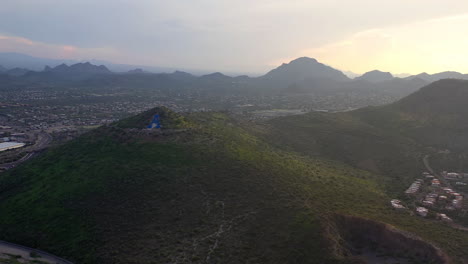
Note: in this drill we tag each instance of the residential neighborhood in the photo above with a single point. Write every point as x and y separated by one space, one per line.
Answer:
435 197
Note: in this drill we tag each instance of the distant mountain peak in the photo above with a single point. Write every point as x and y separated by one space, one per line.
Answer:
303 68
85 67
304 60
60 67
215 75
182 74
17 71
376 76
137 70
439 76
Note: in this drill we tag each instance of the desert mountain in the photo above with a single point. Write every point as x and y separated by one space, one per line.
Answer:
79 68
439 76
303 68
389 139
17 72
375 76
136 71
435 115
216 76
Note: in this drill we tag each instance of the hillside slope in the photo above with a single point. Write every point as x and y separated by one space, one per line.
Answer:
434 116
388 139
202 190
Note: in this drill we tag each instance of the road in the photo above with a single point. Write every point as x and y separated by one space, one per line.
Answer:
43 141
427 165
25 252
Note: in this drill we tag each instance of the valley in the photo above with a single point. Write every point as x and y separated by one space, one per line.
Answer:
233 132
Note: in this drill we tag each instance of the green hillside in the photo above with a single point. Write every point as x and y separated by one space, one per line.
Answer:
209 189
434 116
346 138
390 139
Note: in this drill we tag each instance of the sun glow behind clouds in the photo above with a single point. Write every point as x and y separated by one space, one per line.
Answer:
242 35
433 45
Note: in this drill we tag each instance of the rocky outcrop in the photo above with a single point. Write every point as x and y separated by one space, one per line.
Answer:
375 236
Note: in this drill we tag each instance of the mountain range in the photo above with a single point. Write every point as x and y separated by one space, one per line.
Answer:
18 60
303 77
302 83
440 76
296 70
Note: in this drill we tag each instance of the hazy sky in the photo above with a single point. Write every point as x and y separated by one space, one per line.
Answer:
401 36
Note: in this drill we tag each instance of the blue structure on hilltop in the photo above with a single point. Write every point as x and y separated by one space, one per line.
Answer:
155 123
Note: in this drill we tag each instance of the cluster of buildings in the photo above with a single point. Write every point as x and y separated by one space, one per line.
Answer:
456 199
453 175
430 199
432 194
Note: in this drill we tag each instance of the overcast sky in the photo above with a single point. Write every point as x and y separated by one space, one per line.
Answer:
401 36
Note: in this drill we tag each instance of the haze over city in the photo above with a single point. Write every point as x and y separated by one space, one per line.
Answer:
233 131
243 36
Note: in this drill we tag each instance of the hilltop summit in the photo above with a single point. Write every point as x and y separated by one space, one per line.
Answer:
439 76
78 68
440 97
304 68
375 76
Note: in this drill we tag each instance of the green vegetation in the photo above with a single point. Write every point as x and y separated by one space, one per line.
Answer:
217 190
434 116
395 160
169 119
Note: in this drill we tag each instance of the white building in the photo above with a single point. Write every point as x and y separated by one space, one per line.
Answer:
10 145
422 211
444 217
396 204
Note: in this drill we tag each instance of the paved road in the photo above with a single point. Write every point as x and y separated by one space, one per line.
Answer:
11 165
24 252
42 143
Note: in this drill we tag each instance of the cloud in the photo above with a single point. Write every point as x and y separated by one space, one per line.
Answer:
46 50
431 45
212 34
